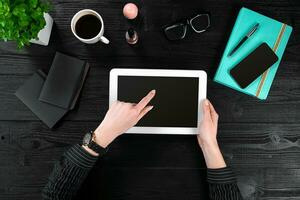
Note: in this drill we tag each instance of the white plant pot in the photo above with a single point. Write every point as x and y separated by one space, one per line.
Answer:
44 34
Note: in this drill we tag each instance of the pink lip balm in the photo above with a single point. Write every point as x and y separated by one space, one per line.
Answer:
130 11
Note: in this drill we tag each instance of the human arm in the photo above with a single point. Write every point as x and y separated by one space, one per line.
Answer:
221 180
74 166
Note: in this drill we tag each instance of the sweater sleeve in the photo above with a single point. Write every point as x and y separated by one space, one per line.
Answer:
222 184
68 174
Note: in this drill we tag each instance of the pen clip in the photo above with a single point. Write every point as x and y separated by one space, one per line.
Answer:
253 30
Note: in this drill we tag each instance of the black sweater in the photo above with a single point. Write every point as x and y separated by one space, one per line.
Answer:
72 169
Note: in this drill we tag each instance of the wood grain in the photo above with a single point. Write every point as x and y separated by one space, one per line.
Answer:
259 139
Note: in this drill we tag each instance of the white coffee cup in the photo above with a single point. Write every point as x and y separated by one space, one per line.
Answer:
95 39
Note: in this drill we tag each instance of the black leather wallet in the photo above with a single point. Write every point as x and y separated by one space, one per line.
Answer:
29 94
64 81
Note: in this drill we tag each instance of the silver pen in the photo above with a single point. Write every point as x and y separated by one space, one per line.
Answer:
244 39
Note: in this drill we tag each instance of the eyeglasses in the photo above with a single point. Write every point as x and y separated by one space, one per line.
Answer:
199 23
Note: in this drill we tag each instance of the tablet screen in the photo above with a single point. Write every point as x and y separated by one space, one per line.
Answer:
175 103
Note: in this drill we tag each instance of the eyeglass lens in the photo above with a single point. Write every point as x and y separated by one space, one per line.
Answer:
200 23
176 31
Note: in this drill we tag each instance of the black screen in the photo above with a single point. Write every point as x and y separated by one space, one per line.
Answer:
175 103
256 63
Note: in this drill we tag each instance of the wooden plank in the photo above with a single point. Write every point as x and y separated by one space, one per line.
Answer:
153 44
260 140
112 183
251 145
266 183
106 182
232 106
269 183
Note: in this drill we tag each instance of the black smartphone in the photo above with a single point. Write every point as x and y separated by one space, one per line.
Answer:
251 67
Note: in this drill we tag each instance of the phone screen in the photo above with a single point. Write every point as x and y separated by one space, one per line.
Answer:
256 63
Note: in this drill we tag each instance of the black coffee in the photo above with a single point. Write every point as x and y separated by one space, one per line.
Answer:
88 27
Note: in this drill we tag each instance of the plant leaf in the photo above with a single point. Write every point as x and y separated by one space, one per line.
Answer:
21 20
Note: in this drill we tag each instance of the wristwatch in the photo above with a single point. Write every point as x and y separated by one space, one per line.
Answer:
88 141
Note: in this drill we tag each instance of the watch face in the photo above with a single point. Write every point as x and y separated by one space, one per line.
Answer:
87 139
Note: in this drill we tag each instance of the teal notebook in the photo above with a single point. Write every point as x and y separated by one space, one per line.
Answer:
270 31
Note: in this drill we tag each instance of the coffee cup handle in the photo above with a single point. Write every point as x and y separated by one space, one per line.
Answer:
104 40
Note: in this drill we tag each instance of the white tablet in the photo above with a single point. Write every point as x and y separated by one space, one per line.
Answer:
177 101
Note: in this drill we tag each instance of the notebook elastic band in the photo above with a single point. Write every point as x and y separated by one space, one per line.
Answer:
264 76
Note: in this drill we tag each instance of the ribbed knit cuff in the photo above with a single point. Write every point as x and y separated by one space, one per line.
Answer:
80 157
221 175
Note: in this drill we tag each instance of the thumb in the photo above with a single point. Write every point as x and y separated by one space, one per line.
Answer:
206 110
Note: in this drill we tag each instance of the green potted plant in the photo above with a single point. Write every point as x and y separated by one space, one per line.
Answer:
25 21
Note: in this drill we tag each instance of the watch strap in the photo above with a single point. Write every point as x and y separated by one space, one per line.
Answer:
97 148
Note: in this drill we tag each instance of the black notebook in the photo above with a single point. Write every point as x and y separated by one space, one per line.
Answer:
64 81
29 94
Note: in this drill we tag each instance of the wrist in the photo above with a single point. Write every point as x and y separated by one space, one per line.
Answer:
211 150
90 151
209 145
212 155
92 146
101 137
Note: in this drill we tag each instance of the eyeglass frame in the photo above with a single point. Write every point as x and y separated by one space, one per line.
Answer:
188 22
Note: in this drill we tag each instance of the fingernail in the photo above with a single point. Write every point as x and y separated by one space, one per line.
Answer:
153 91
150 108
206 102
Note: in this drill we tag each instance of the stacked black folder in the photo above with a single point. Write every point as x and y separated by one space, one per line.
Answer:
51 97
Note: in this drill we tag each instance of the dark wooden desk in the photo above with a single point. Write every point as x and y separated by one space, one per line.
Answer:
259 139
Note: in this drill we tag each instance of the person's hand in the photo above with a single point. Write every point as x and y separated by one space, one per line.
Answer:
207 137
207 134
120 117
